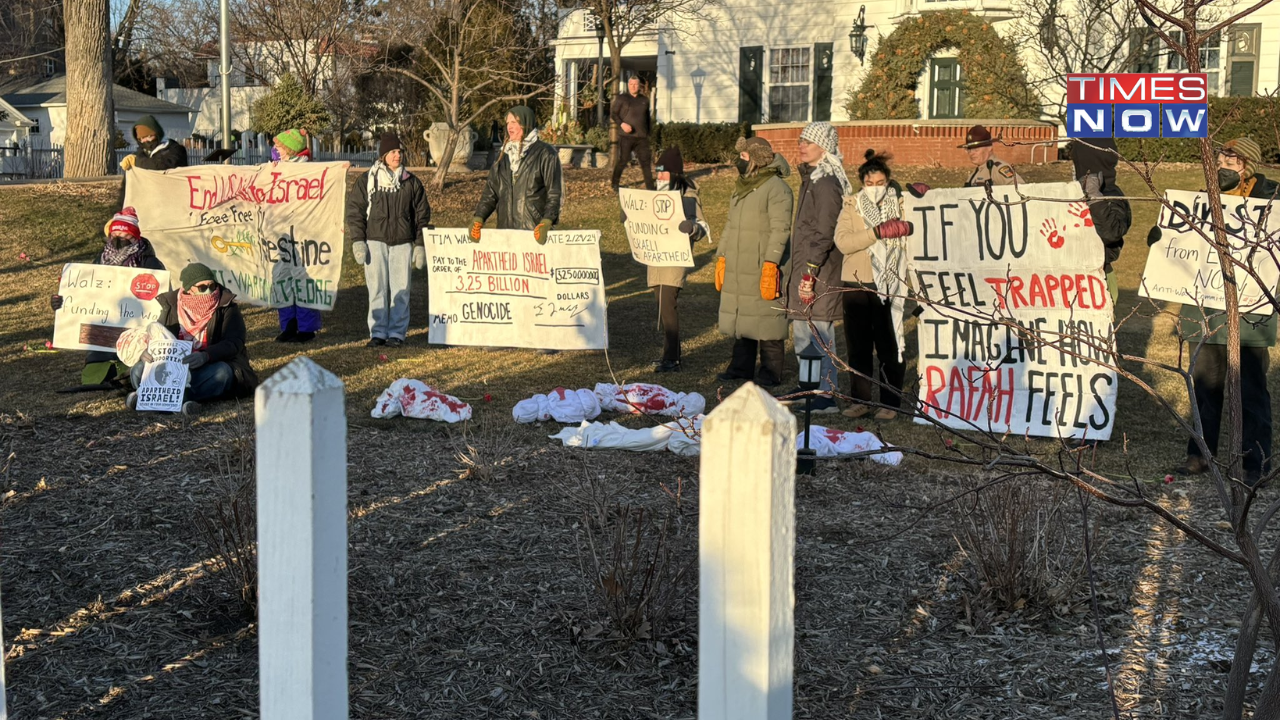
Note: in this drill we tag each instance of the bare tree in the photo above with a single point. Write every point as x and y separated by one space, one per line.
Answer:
89 144
625 20
1077 36
176 35
301 37
30 33
470 55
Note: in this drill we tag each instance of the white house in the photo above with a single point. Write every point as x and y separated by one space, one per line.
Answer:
45 105
14 126
780 62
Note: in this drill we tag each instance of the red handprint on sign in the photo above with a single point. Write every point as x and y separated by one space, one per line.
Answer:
1054 235
1081 212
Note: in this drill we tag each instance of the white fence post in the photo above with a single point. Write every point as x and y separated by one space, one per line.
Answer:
746 551
302 544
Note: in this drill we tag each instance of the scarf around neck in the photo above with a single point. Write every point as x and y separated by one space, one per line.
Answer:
875 213
194 314
747 183
832 164
516 151
382 179
128 256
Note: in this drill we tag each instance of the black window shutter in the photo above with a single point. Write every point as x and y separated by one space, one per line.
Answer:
750 84
822 55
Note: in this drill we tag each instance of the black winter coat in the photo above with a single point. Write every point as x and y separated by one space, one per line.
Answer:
813 243
395 218
226 338
529 198
148 261
1111 219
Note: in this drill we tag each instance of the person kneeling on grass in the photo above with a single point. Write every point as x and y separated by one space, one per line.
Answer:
205 313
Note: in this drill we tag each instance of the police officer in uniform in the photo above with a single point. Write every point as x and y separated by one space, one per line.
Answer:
977 144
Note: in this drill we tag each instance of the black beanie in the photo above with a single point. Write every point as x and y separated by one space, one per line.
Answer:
388 142
671 161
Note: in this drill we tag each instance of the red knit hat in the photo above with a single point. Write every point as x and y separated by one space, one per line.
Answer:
125 221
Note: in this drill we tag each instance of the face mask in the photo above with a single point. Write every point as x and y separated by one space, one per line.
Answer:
875 193
1228 179
664 185
275 155
149 145
742 165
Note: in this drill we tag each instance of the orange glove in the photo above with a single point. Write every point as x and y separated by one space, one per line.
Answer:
540 232
719 273
476 224
770 281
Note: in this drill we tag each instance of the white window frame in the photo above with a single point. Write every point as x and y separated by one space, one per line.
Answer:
49 67
769 84
1216 75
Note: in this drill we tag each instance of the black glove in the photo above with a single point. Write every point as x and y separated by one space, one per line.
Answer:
1153 237
686 227
622 216
196 359
55 302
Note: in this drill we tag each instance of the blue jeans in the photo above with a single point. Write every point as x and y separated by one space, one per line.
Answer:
387 277
804 338
211 381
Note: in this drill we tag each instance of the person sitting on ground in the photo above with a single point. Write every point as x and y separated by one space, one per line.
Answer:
205 313
124 247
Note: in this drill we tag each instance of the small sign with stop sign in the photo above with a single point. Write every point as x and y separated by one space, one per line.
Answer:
99 302
653 227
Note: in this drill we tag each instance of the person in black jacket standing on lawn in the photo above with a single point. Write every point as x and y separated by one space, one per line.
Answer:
386 214
630 111
155 152
524 185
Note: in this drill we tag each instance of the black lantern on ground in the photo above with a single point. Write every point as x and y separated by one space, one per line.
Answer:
858 35
810 379
599 72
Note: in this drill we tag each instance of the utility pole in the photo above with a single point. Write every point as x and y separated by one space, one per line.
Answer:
224 31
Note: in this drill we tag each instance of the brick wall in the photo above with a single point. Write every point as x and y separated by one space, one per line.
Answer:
924 142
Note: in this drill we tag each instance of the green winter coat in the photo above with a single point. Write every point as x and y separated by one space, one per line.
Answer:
759 231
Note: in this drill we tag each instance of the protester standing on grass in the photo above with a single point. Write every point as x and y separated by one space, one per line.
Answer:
630 112
668 281
386 214
124 247
154 152
813 287
297 324
1095 162
750 264
872 236
205 313
1237 176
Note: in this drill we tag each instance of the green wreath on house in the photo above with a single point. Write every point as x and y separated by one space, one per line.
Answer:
995 83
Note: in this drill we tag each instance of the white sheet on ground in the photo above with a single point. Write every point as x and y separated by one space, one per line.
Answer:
561 405
648 399
416 399
830 442
681 437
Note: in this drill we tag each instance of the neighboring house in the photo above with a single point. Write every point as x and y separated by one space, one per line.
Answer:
14 126
45 104
792 62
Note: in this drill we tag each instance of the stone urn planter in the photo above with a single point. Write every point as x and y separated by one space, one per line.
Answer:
438 135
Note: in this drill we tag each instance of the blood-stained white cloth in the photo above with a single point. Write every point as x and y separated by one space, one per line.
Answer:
830 442
132 342
682 437
647 399
416 399
561 405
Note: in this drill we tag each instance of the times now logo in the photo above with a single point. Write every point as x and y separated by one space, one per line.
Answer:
1138 105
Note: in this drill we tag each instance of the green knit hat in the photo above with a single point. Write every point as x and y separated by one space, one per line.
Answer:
292 139
524 116
196 273
149 122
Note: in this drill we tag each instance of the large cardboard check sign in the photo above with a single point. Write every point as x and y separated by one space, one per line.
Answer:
272 233
653 227
509 291
1183 267
1017 325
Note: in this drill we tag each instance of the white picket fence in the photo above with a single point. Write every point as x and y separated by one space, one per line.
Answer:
746 549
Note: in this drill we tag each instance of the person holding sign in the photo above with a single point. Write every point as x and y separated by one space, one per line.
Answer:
206 314
297 324
524 186
987 167
1237 176
386 214
668 281
154 151
749 264
872 236
124 247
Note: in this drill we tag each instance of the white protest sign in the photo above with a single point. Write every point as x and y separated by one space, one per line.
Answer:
1019 316
509 291
1182 267
272 233
164 379
653 227
99 302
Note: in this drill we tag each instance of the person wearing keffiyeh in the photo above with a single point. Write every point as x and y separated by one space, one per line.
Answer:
873 237
205 313
124 246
